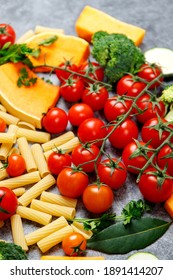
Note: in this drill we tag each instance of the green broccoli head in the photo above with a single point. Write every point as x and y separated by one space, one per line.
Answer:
167 95
117 54
11 251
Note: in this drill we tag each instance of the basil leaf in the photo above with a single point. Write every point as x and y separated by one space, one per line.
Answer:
121 239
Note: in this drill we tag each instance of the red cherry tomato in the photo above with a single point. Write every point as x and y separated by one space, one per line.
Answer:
93 70
79 112
3 125
62 73
8 203
7 34
165 158
71 90
74 244
127 85
149 73
55 121
57 161
16 165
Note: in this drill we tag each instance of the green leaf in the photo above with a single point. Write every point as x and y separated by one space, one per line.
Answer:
49 41
121 239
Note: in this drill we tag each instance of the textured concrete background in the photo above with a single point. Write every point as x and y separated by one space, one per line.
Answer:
153 15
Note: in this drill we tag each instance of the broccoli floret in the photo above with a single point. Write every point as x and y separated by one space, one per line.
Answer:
11 251
167 95
117 54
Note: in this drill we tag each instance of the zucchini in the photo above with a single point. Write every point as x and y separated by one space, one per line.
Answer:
162 57
142 256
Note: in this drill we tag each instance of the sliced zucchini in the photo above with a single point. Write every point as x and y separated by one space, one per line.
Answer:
163 57
142 256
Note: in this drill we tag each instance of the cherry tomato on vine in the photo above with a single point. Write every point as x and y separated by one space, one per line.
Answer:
154 187
71 89
130 86
93 70
136 154
8 203
112 172
165 158
74 244
16 165
7 34
55 121
123 134
97 198
149 73
71 182
62 74
3 125
79 112
82 154
57 161
95 96
115 107
150 106
92 129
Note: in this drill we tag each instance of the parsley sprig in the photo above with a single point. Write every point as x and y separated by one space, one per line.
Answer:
24 79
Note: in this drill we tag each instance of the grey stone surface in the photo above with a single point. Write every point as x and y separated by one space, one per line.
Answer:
156 17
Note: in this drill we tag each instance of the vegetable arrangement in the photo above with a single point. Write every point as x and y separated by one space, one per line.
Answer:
118 100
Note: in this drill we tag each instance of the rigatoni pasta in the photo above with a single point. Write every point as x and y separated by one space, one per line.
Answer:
58 199
19 191
18 232
25 151
7 138
58 141
79 227
8 118
3 172
33 135
40 160
6 147
34 215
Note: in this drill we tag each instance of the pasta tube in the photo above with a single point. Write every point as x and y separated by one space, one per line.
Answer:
27 154
58 199
8 118
19 191
25 36
3 172
58 141
33 136
40 160
34 215
9 138
18 232
78 227
36 190
40 29
6 147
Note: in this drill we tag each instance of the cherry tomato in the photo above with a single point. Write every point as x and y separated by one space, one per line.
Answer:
74 244
154 131
150 187
128 85
92 129
93 70
55 121
95 96
82 154
165 158
16 165
7 34
136 154
57 161
71 182
115 107
123 134
62 74
8 203
71 89
149 73
3 125
97 198
150 106
112 172
79 112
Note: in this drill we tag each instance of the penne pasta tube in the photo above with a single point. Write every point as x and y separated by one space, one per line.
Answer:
53 239
19 191
6 147
18 232
40 160
36 190
14 150
8 118
67 147
34 215
40 29
53 209
33 135
44 231
9 138
68 258
58 199
25 36
20 181
58 141
26 152
3 172
79 227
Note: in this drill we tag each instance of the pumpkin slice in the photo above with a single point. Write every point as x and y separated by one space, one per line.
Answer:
92 20
28 103
64 48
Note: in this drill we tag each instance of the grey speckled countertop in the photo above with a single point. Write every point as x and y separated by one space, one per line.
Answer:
153 15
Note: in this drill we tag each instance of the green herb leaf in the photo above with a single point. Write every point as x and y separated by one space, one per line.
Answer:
49 41
24 79
121 239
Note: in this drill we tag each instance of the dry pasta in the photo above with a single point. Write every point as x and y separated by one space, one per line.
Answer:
40 160
53 209
36 190
58 141
26 125
40 29
25 36
18 232
34 215
6 147
33 135
8 118
44 231
19 191
25 150
8 138
79 227
53 239
58 199
14 150
3 172
21 181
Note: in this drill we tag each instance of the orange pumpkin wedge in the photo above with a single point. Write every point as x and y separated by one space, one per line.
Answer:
28 103
92 20
66 47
